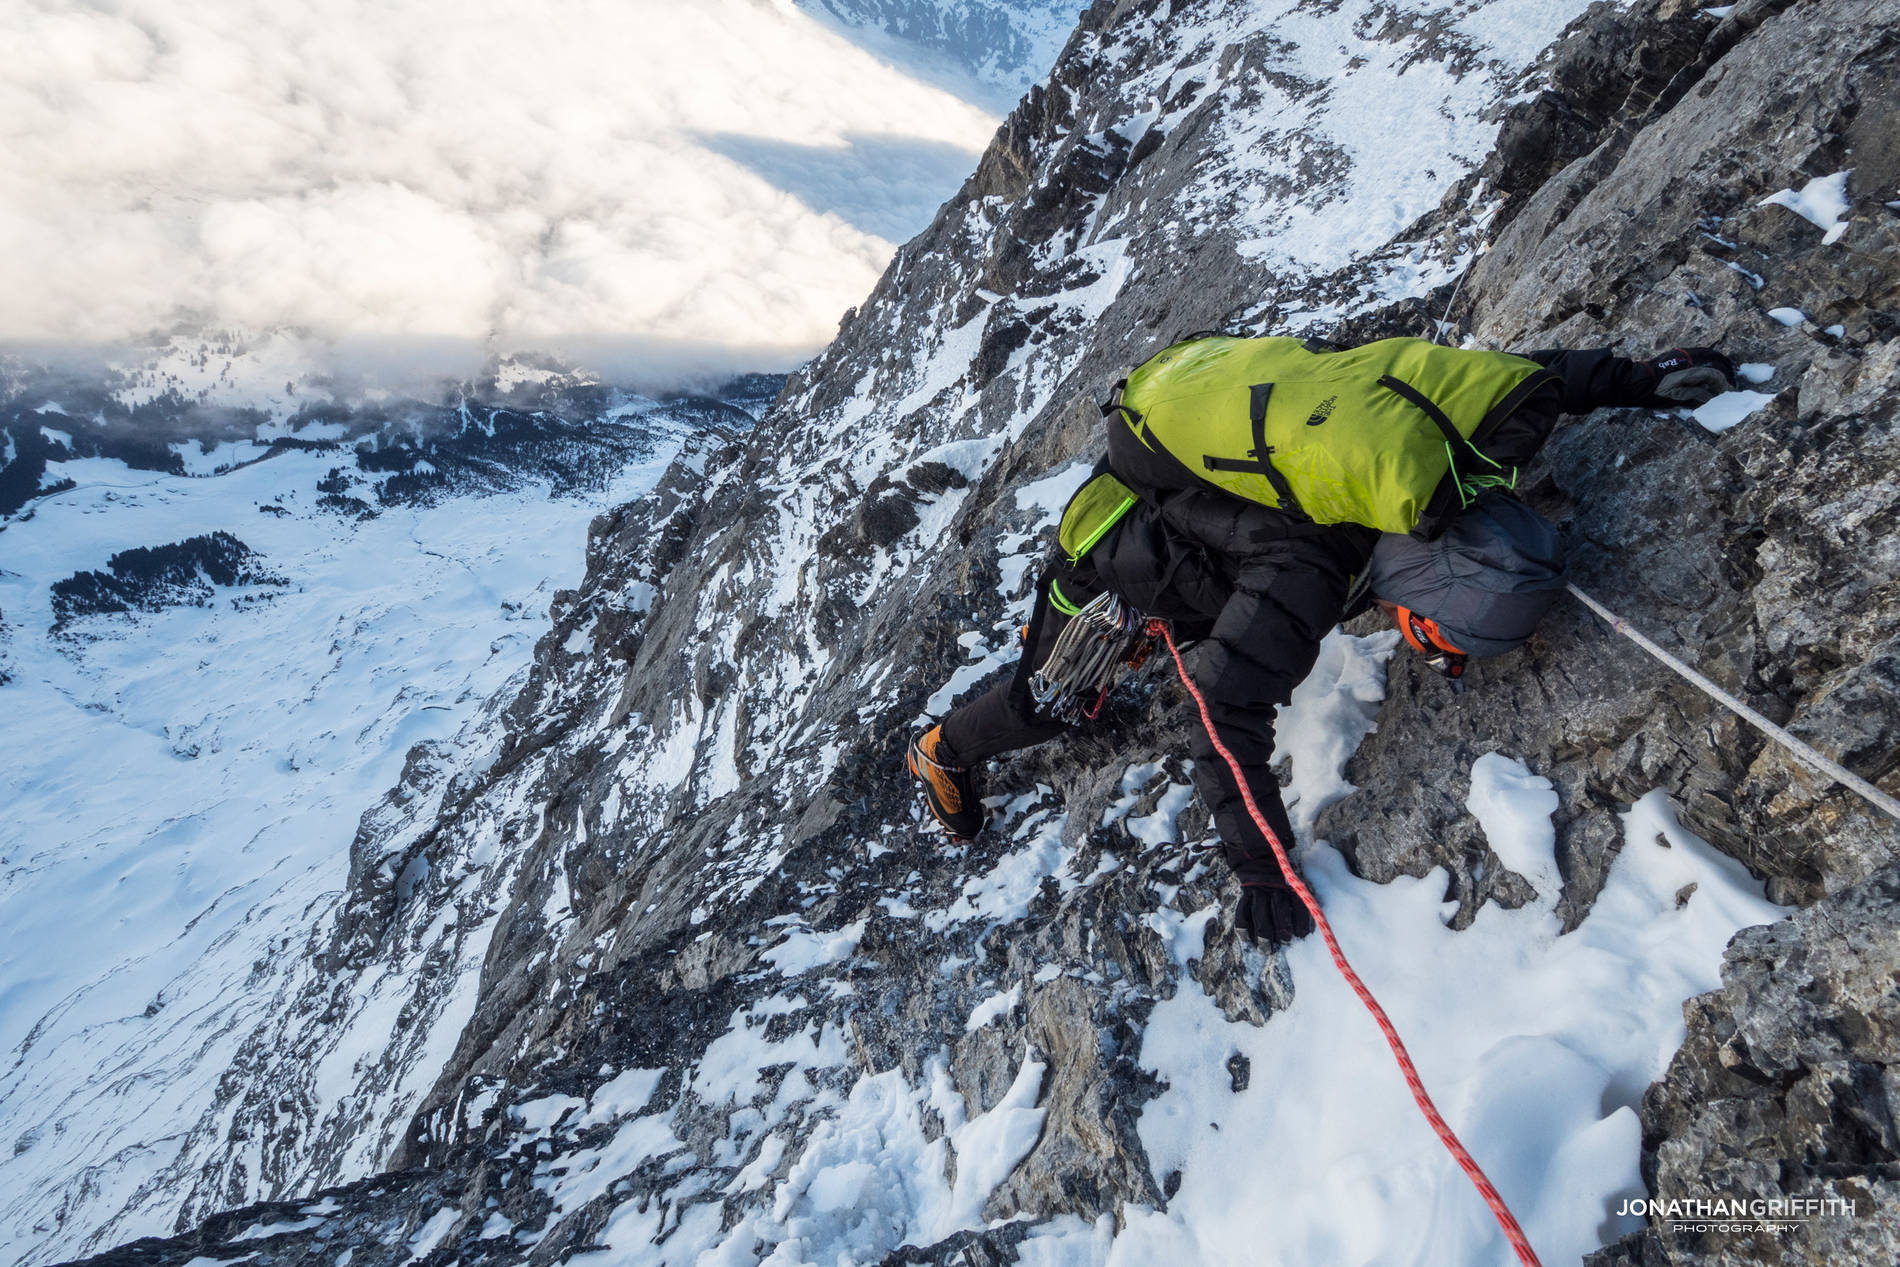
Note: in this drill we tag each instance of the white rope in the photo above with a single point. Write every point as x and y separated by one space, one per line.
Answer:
1807 755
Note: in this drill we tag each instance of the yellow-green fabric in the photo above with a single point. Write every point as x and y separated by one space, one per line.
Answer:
1347 447
1096 507
1060 601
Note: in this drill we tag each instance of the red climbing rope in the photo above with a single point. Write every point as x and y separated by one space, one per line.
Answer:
1512 1232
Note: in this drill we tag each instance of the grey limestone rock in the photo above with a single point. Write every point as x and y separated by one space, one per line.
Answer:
692 802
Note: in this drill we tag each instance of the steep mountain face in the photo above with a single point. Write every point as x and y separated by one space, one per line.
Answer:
227 624
737 1003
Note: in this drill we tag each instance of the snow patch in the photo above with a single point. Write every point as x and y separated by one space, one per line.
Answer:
989 1009
1722 412
1822 202
1514 806
803 950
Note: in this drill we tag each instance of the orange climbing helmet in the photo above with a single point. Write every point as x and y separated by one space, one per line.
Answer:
1430 642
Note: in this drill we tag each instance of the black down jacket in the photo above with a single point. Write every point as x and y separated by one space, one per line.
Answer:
1262 589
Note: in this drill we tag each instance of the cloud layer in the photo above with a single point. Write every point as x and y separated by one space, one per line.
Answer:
597 173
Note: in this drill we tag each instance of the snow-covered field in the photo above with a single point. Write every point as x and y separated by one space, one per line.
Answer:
182 787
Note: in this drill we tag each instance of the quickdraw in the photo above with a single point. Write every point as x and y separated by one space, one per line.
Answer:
1106 637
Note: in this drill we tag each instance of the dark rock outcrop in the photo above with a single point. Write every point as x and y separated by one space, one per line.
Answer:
1787 1089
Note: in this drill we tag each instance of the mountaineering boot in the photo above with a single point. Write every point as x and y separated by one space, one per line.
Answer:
949 790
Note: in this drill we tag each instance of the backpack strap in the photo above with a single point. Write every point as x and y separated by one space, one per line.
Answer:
1467 463
1257 398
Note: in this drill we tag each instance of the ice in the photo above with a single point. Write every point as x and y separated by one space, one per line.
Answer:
538 1117
262 1230
1331 711
476 1107
1135 780
1048 495
1755 280
866 1179
729 1069
431 1234
622 1096
1158 828
1822 202
988 1148
1724 411
1004 892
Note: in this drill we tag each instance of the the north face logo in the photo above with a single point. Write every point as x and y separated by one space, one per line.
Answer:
1324 411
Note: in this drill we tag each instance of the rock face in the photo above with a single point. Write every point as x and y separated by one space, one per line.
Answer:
1785 1089
1004 44
716 947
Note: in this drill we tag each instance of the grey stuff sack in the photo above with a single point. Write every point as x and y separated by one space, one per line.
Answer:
1487 580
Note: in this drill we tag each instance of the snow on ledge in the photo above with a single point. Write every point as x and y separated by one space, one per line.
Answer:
1724 411
1822 202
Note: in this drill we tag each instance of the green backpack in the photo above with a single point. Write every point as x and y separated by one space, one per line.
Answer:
1356 435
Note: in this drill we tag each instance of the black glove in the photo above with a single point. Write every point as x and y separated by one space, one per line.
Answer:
1688 376
1271 912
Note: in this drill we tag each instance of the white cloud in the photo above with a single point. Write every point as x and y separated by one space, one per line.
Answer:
597 173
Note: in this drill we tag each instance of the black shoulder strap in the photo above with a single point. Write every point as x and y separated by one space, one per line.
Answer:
1257 397
1460 446
1468 464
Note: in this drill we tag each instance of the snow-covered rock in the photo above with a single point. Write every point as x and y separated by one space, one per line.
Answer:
685 845
213 668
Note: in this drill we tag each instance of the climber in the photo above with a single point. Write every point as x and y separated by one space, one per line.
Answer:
1246 485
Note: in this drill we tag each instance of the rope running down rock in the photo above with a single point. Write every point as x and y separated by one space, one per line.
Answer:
1506 1220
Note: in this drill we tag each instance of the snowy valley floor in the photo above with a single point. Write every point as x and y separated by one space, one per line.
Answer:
181 787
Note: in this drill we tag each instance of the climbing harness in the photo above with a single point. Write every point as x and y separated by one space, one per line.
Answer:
1512 1232
1105 636
1807 755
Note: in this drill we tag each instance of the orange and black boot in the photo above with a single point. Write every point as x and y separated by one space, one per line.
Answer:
949 790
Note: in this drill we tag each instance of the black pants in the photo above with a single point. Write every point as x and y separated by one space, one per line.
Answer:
1004 718
1245 682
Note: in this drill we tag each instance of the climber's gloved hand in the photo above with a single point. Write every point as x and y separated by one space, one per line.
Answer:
1271 913
1689 376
